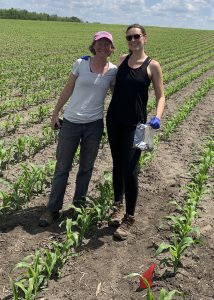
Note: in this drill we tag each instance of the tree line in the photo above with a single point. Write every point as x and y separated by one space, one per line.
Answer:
23 14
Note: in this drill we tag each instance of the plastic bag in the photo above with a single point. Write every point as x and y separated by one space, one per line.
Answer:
144 137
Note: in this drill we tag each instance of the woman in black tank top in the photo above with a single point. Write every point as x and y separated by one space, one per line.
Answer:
128 107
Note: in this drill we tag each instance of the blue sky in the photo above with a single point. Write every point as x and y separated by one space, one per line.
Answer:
198 14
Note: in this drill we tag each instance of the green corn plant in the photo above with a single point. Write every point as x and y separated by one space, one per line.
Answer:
19 147
48 134
49 169
104 140
84 219
62 252
6 200
181 224
50 261
10 155
31 275
34 146
26 182
39 177
55 259
165 295
33 117
146 156
72 237
104 202
175 249
16 121
77 155
15 291
3 155
43 112
6 125
72 241
100 210
105 189
12 123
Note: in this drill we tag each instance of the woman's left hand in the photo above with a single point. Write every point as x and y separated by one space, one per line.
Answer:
154 122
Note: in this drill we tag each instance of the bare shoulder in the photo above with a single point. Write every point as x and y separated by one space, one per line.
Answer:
121 59
154 68
154 64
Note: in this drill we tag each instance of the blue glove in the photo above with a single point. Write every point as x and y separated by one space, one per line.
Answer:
154 122
85 57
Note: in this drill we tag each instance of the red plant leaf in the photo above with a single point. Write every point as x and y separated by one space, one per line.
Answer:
148 276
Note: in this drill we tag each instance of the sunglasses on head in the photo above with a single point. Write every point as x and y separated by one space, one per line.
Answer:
134 36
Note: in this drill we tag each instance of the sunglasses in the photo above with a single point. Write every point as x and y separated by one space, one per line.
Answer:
134 36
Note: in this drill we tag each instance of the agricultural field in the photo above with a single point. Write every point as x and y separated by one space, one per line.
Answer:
175 211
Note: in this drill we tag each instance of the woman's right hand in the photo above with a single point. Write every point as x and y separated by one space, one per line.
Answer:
55 120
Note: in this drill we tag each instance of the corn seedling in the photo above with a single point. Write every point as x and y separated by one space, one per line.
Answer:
103 203
3 155
175 250
31 277
84 220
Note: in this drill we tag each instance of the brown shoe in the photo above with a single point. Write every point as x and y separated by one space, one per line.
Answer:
117 216
47 218
123 231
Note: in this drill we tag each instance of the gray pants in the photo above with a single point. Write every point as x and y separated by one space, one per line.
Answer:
71 135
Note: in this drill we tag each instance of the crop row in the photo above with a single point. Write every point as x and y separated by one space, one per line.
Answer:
36 270
13 121
31 181
184 234
181 83
173 122
181 224
25 146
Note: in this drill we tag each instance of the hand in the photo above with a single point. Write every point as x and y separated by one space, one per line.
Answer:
85 57
154 122
54 120
58 124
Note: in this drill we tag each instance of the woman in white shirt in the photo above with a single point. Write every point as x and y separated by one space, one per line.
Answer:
87 86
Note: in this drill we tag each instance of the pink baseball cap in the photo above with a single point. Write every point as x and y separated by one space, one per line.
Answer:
103 35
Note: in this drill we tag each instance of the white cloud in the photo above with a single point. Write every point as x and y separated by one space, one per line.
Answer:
168 13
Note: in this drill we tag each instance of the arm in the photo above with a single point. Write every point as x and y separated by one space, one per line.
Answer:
156 76
65 95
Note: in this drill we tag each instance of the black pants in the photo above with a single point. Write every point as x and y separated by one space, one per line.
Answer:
125 163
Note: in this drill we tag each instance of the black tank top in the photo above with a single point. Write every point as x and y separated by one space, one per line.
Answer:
130 97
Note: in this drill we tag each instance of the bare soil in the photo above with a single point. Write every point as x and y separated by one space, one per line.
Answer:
103 262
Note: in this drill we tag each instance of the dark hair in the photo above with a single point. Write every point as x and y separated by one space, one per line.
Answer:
137 26
91 47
